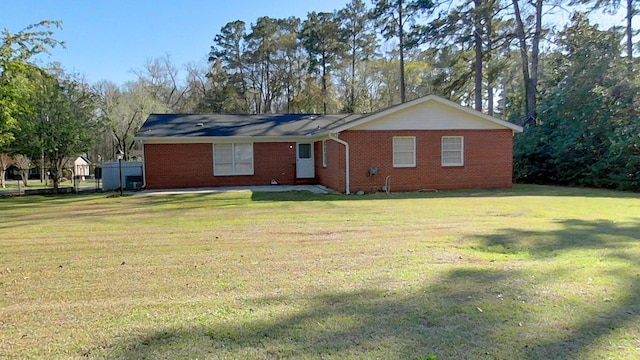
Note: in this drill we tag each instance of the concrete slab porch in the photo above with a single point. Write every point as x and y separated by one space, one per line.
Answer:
317 189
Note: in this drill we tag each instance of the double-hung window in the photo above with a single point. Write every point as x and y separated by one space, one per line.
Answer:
404 151
233 159
452 151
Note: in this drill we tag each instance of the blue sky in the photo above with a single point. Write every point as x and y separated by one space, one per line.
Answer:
107 39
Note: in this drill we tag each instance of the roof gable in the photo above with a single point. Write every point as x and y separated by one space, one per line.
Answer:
81 160
427 113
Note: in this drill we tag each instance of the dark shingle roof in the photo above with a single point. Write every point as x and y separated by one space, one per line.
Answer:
280 125
266 125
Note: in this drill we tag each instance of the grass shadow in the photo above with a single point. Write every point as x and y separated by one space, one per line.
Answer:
605 239
28 210
471 312
574 234
370 323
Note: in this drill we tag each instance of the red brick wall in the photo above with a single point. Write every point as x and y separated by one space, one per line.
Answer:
332 176
488 161
169 166
488 156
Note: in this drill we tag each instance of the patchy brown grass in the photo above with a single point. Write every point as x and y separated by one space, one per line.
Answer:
529 273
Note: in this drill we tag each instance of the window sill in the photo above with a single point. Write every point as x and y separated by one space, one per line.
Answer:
226 175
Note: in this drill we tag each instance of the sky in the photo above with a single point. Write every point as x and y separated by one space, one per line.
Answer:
109 39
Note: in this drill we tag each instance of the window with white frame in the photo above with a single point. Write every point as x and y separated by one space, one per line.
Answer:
232 159
452 151
324 153
404 151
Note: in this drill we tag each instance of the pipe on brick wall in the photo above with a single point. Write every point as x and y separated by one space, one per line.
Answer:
334 137
144 169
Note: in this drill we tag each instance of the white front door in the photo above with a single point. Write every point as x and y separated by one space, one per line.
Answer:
304 161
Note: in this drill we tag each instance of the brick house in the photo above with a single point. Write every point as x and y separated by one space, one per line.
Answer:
427 143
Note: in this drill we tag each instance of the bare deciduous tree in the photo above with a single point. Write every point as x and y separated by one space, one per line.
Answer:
5 162
123 111
23 163
161 80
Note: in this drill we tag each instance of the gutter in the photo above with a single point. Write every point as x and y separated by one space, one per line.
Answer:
334 137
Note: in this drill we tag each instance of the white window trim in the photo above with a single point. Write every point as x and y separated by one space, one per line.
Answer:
443 151
324 153
234 172
413 163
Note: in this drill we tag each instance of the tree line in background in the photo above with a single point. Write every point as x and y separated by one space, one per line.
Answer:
573 86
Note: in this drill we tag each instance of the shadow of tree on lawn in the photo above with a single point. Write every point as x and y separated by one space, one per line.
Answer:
474 311
575 234
607 239
443 319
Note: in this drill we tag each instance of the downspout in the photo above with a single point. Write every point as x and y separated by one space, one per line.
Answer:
144 169
346 150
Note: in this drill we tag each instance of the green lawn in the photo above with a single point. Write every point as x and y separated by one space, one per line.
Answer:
530 273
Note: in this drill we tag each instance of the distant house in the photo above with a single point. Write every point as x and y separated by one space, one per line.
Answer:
427 143
14 173
81 167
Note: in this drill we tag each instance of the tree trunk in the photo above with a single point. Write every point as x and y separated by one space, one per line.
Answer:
530 77
629 31
289 79
5 160
477 37
490 89
352 100
535 55
401 41
56 174
491 77
269 91
24 175
324 83
43 176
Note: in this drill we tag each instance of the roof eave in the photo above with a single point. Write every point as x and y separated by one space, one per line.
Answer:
212 139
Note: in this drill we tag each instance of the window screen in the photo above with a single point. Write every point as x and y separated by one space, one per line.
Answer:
404 151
